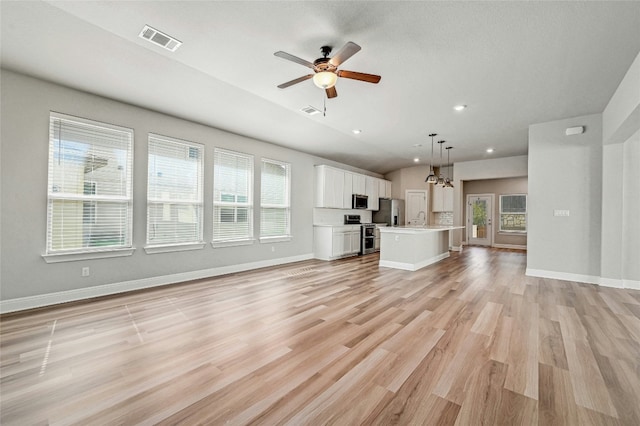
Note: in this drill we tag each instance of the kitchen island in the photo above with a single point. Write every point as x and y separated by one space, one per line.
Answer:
414 247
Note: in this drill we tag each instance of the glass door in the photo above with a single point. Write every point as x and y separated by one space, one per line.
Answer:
479 218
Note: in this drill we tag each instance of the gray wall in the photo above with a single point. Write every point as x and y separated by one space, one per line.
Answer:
565 173
25 107
498 187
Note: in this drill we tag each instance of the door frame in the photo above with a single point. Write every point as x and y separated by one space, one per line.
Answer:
406 204
469 228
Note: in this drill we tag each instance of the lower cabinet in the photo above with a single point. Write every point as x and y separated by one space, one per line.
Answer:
334 242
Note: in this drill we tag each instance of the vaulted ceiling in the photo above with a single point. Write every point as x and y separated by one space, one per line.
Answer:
511 63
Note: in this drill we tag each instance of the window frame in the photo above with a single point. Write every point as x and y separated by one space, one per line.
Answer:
287 236
248 238
51 255
198 204
525 213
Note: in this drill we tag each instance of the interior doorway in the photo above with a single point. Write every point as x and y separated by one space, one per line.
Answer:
480 219
416 207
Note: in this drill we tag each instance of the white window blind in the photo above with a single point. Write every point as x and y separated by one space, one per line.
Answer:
275 195
513 213
89 188
174 191
232 197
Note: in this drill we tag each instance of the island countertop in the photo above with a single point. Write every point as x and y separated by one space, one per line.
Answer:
418 229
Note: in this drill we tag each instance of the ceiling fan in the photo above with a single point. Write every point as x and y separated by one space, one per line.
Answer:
325 69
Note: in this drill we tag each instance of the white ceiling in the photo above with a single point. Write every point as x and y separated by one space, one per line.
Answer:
512 63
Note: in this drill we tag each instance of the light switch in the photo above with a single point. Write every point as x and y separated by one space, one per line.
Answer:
564 213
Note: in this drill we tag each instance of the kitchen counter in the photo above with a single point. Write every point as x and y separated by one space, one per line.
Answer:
414 247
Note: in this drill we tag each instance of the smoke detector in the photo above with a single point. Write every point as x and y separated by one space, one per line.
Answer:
159 38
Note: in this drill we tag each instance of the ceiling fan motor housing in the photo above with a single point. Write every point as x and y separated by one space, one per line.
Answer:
323 64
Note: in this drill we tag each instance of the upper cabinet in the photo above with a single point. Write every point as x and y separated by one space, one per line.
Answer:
372 187
359 186
335 187
441 199
384 191
329 187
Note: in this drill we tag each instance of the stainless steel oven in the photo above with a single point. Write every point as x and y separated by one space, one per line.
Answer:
367 238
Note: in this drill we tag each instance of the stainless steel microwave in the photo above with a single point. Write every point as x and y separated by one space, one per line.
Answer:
359 201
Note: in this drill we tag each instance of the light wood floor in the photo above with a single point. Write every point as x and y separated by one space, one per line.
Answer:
468 341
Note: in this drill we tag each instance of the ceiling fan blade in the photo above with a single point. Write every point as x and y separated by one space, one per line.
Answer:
345 53
296 81
331 92
289 57
369 78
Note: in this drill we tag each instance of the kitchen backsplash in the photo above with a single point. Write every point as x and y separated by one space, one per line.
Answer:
443 218
336 216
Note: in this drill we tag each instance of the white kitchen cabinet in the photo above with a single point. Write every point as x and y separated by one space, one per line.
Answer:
442 199
334 242
372 189
329 187
384 190
348 190
359 186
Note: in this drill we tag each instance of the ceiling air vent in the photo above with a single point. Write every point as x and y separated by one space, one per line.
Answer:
160 38
311 110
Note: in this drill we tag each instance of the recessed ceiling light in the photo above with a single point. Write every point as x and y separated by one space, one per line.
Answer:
416 160
459 107
417 145
489 150
356 131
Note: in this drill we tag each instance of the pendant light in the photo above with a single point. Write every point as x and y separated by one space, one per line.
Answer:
432 176
440 178
447 181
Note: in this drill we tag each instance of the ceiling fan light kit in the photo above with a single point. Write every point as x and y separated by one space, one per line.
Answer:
325 79
325 69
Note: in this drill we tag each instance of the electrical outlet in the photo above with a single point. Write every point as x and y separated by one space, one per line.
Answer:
85 271
273 248
563 213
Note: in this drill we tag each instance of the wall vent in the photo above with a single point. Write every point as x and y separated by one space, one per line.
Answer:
311 110
160 38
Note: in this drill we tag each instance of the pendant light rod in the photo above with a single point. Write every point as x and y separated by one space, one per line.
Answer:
447 182
432 176
440 178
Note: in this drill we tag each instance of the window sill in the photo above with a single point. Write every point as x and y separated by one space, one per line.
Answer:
87 255
233 243
267 240
512 232
173 248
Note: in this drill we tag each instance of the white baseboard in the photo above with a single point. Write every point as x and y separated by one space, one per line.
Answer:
413 266
565 276
456 248
633 284
589 279
510 246
30 302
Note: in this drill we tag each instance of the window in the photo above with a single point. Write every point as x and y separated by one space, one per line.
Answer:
275 205
513 213
232 197
174 192
89 189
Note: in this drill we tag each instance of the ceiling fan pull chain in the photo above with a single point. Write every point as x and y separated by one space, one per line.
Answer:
324 103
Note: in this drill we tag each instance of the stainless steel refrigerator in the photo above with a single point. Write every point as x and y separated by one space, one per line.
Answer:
391 212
